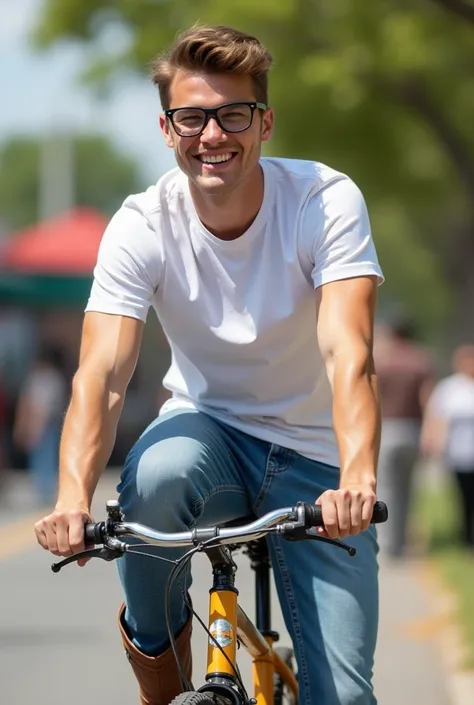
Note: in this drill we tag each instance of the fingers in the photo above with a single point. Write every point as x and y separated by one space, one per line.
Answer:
346 512
77 519
62 532
329 512
82 562
367 511
45 530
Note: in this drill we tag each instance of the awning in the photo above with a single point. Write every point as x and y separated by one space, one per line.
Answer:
36 290
67 244
51 263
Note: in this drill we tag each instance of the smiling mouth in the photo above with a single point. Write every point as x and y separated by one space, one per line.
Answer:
213 159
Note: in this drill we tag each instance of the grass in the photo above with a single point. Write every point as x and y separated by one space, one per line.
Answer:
436 515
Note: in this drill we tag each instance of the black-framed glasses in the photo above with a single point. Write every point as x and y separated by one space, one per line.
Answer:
231 117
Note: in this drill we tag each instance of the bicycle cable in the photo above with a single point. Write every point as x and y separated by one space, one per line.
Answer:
234 666
178 567
149 555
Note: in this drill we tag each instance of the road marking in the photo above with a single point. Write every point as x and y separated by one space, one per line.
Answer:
17 536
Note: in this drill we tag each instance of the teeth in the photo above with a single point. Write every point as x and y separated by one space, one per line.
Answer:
215 159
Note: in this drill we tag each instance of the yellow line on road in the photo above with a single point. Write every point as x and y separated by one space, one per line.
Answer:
17 536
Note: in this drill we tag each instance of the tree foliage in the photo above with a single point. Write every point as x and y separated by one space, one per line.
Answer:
383 91
102 177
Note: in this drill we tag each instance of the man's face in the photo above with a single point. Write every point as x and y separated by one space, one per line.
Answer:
464 360
202 90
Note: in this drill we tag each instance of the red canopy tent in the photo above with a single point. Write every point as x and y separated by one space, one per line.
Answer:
66 244
53 259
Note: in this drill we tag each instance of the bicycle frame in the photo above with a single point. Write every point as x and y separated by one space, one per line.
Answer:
229 624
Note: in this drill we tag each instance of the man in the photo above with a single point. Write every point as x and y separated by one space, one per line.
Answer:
38 420
405 372
264 275
448 432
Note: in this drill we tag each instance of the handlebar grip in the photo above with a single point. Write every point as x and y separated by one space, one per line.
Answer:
94 533
314 515
380 513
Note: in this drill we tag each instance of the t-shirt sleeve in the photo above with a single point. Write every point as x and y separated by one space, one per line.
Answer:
438 402
336 234
129 266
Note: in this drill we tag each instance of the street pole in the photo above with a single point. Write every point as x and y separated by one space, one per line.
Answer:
56 175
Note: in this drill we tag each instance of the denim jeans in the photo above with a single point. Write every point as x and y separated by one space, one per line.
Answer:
189 469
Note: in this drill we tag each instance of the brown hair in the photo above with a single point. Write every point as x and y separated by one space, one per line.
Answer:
213 49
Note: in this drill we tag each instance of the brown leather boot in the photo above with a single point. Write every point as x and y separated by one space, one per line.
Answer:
158 676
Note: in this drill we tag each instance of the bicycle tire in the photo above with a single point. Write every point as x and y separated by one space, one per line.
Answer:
193 698
281 694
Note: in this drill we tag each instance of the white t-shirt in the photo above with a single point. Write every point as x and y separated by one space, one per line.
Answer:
453 400
240 315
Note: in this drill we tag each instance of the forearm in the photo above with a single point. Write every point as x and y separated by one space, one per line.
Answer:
433 436
87 439
356 414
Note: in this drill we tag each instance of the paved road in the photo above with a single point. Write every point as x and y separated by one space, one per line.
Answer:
58 641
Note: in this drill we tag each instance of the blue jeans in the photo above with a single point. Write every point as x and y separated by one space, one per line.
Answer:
189 469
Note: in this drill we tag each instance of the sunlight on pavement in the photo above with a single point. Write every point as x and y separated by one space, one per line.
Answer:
18 536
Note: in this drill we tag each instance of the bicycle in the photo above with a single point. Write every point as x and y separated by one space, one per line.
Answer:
274 677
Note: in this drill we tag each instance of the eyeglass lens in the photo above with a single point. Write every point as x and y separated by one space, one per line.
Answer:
232 118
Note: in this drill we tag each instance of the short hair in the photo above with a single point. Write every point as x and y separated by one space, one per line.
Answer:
404 327
213 49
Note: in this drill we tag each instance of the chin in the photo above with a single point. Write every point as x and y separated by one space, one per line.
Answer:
214 185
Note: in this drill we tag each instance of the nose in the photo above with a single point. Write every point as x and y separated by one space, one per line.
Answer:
212 132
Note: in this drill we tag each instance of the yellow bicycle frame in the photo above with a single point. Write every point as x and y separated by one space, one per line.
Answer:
228 624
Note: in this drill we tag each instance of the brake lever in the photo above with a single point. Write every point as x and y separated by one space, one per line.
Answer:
104 552
290 532
350 549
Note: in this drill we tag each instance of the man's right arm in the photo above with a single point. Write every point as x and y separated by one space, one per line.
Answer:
109 352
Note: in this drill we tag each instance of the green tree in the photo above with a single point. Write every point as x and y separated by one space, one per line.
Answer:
102 177
383 91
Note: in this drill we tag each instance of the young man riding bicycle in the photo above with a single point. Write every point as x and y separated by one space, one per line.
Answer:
263 274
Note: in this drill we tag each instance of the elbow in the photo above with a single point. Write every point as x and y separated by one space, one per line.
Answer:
356 358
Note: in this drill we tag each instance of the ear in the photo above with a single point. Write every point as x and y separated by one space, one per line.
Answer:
167 132
267 124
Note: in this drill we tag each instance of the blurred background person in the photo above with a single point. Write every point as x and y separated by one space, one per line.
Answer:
406 377
38 420
448 432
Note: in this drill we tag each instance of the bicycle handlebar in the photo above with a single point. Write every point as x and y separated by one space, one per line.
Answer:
292 523
307 515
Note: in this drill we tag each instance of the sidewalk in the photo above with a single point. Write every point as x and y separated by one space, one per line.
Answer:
408 666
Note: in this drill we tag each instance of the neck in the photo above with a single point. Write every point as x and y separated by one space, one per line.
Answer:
467 373
228 215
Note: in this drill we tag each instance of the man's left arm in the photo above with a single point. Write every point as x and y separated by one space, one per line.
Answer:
345 325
